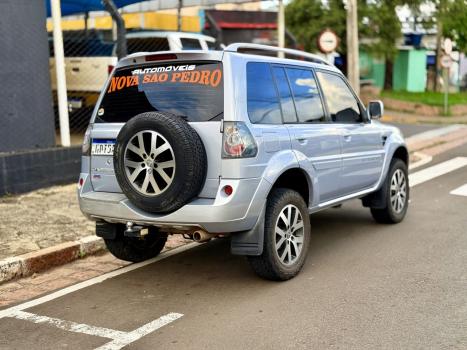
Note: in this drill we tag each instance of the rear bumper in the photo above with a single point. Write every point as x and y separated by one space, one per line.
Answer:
238 212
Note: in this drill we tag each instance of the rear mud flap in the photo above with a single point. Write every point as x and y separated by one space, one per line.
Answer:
249 242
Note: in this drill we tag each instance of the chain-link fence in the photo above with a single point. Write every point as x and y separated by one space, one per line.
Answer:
89 58
90 55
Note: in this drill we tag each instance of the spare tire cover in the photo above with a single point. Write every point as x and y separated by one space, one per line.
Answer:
160 162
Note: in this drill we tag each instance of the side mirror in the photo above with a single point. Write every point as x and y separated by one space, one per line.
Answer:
375 109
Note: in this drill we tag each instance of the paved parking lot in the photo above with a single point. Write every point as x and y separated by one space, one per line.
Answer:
364 286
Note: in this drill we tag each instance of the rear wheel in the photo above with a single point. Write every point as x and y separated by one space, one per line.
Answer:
136 249
396 189
286 236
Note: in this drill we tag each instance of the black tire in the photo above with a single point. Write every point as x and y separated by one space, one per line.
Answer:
190 161
269 265
388 215
136 249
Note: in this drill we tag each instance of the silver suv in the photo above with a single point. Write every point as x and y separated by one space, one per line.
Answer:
235 143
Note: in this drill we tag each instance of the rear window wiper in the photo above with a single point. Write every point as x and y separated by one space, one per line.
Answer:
216 116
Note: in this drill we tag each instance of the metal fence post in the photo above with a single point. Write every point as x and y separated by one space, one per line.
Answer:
60 71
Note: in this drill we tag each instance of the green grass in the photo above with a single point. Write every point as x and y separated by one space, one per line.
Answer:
429 98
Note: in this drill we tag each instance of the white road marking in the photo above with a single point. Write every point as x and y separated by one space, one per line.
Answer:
436 170
61 292
140 332
460 191
119 339
430 134
423 159
68 325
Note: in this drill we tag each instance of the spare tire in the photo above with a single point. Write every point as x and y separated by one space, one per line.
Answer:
159 161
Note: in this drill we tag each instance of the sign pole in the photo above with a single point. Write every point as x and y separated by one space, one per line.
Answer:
446 90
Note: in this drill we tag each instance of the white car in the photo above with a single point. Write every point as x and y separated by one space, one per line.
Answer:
89 62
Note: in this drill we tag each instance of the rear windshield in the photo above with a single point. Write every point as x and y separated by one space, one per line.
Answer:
193 91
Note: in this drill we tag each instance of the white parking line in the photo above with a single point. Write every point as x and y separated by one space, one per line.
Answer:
119 339
68 325
61 292
422 160
434 171
460 191
138 333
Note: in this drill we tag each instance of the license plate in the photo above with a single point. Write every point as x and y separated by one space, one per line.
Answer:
75 103
102 147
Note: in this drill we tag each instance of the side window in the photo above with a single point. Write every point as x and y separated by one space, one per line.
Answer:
306 95
190 44
262 101
211 45
287 103
342 104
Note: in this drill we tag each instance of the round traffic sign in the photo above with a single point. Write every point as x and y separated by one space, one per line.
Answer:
327 41
446 61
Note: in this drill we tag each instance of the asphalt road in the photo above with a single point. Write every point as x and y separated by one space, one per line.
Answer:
364 286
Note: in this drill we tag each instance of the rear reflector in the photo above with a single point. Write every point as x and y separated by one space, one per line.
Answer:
161 57
228 190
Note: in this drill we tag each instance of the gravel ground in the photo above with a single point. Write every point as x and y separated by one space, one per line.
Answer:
44 218
41 219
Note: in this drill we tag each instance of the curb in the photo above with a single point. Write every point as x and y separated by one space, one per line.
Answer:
30 263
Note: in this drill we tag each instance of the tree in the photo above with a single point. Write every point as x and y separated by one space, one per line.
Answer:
455 23
450 19
307 18
379 25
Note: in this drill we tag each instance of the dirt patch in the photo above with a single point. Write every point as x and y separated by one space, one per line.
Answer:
41 219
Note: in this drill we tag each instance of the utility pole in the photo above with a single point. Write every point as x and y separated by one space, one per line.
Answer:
353 68
280 27
179 15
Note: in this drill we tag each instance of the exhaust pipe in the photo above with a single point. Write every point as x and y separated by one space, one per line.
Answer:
202 236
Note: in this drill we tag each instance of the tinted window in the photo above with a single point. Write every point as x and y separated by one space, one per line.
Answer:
306 95
193 91
263 103
342 104
287 103
147 45
190 44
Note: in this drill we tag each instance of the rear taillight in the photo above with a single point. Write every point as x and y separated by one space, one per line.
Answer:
237 141
86 148
110 69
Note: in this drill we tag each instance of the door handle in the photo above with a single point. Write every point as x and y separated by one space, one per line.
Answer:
347 137
301 140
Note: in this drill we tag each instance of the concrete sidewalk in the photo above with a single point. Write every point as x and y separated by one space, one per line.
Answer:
409 118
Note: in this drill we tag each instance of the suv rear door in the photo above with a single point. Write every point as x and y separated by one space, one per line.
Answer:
310 132
362 142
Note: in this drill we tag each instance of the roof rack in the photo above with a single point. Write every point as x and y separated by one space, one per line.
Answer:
237 47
